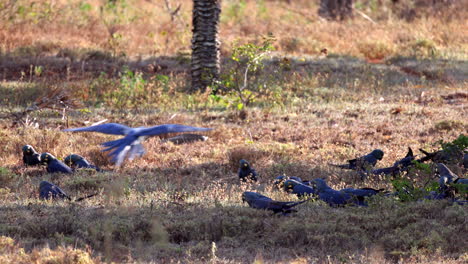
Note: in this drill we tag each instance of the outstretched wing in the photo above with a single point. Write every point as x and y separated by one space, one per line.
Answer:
170 128
109 128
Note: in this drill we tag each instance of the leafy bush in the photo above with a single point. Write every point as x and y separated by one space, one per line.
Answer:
459 144
244 81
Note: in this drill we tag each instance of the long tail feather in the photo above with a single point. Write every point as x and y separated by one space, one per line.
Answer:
297 203
86 197
341 166
410 153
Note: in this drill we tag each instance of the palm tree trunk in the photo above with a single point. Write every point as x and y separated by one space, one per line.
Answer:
205 43
336 9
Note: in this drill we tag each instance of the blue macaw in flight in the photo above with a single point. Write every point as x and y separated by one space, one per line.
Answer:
130 145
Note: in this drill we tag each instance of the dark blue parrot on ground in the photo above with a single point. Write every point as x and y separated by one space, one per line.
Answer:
49 190
398 166
447 177
406 161
298 188
278 182
245 172
53 164
130 145
333 197
75 160
258 201
30 156
298 179
363 163
449 155
361 193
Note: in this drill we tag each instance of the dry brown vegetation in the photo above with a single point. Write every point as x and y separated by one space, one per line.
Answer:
140 28
397 83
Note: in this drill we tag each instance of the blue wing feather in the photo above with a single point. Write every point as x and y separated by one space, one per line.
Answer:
113 143
109 128
121 147
170 128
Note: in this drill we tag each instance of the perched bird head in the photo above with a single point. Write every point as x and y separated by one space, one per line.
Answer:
378 154
44 184
244 163
279 181
249 196
72 159
47 157
244 197
28 149
290 184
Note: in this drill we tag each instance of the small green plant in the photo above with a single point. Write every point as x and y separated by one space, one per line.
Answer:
115 41
424 48
114 14
130 89
460 144
406 191
85 7
460 188
242 82
38 70
432 186
422 166
454 150
164 80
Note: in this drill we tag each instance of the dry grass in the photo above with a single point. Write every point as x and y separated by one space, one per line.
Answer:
145 28
389 85
175 201
12 253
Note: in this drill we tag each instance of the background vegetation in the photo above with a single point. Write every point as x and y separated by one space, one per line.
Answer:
395 82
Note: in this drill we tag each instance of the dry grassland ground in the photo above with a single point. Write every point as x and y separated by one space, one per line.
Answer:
388 85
